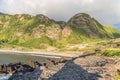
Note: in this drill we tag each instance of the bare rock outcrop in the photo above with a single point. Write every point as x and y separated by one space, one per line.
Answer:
79 68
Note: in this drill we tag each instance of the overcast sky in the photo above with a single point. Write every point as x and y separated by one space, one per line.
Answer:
105 11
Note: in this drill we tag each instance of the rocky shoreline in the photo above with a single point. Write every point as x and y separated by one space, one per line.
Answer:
87 67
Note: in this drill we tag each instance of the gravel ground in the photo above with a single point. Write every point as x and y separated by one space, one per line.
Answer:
79 68
83 68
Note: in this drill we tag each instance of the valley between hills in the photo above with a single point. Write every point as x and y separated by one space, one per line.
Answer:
25 32
89 50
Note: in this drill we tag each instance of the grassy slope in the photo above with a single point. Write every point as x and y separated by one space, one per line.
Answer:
25 23
112 32
15 26
78 35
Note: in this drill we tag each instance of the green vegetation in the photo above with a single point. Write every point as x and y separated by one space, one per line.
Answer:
78 35
111 52
40 32
26 32
118 76
39 43
111 32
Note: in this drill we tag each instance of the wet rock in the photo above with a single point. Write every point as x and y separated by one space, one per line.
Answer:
52 62
34 64
18 67
79 68
27 76
83 68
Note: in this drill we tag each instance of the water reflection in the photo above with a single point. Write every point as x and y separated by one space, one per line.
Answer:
6 58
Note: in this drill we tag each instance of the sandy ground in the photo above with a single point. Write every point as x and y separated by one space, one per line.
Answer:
41 53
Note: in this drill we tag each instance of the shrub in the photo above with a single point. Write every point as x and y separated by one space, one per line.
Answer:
111 52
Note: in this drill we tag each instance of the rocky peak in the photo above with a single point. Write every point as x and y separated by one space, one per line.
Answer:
44 19
82 14
21 17
81 20
86 23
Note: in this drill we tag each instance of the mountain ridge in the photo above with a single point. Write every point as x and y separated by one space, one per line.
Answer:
39 31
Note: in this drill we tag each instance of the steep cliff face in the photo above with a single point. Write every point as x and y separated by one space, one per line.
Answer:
88 25
26 25
47 27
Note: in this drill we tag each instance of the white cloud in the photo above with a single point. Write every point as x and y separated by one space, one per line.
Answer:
83 2
106 11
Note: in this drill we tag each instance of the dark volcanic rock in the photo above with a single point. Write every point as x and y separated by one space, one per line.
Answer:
21 71
79 68
83 68
18 67
34 75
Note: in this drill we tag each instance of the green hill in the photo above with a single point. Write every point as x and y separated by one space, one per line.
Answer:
39 31
112 32
82 27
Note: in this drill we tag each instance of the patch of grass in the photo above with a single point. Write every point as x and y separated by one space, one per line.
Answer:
118 76
39 43
74 49
111 52
30 25
111 32
78 35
